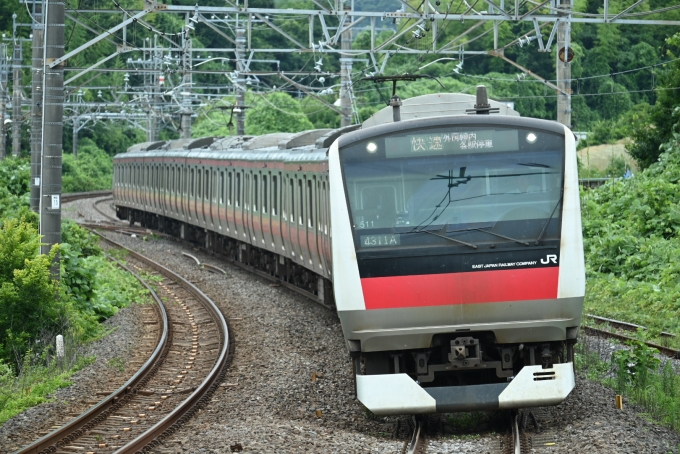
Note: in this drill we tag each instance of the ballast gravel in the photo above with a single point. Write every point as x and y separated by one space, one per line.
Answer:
290 390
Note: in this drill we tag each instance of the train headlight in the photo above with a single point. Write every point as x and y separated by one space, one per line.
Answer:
531 137
371 147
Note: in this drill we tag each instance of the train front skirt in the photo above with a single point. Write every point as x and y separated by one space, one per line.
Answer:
399 394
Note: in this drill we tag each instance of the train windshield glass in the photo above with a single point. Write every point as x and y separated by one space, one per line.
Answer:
456 186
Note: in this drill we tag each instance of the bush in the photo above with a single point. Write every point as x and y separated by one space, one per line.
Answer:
29 297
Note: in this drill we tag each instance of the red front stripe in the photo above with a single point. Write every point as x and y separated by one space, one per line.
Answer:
460 288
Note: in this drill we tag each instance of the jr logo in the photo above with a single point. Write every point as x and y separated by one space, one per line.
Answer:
549 258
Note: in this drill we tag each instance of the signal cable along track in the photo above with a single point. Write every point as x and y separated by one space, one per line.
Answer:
185 369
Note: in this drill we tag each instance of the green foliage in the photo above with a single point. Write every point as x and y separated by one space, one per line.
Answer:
635 364
29 298
657 125
275 112
632 240
91 171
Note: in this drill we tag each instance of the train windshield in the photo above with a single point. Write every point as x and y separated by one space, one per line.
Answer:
459 186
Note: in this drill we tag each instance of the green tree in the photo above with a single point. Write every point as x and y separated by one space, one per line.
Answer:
653 130
275 112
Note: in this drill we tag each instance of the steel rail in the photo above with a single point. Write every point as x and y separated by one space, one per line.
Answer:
666 351
100 211
202 393
624 325
93 416
71 197
417 440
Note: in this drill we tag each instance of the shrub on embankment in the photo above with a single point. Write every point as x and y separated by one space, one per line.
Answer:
632 244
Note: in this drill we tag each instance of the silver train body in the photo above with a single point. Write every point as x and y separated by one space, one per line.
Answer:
455 258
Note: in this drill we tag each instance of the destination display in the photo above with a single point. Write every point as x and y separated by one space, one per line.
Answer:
455 142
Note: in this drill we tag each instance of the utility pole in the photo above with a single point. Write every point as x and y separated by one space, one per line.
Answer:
17 56
346 76
36 104
185 122
76 128
4 81
563 64
53 122
240 82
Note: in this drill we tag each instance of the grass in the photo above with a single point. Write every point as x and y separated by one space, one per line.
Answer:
33 385
636 373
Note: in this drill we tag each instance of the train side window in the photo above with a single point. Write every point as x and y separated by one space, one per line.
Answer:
255 192
310 204
275 195
301 202
191 183
238 189
264 193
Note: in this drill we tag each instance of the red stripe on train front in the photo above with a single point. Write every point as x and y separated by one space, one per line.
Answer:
460 288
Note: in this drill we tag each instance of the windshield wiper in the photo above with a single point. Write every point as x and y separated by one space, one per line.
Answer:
500 236
441 234
540 235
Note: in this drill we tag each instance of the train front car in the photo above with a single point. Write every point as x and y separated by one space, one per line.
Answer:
458 262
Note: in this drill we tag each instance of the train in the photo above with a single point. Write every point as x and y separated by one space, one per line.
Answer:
445 231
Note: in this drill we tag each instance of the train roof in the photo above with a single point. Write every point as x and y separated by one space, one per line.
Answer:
308 145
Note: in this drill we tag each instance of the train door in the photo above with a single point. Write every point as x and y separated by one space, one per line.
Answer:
257 214
154 187
285 216
311 223
248 207
295 208
266 212
239 226
230 202
192 194
222 203
214 190
275 213
206 197
302 219
198 200
181 191
320 185
326 238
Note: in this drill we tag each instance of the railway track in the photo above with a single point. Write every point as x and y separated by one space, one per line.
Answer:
186 367
666 351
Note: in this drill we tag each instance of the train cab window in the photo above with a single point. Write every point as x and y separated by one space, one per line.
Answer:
472 185
310 204
264 193
255 192
238 189
275 195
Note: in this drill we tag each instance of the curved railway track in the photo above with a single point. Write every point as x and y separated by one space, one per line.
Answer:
186 367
